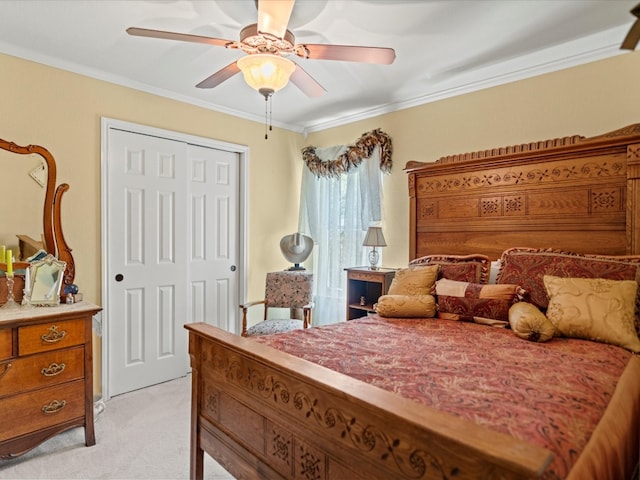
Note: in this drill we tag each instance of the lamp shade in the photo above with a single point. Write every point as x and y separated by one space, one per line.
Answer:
374 238
263 71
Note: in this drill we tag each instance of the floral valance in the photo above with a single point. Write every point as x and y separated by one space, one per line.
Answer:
353 156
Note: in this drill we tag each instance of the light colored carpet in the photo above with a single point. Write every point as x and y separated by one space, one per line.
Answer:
139 435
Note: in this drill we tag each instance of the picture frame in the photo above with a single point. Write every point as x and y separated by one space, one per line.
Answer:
46 281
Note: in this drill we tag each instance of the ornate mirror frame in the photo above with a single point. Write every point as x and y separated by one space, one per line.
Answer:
54 241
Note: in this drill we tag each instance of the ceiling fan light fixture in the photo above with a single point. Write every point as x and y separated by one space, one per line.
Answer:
266 71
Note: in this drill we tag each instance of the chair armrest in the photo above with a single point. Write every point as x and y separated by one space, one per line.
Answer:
244 306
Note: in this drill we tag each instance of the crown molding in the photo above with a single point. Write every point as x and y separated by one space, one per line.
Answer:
578 52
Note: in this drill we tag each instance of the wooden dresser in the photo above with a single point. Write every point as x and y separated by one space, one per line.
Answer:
46 374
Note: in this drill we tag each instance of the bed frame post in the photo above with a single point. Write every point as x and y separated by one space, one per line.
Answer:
196 462
633 199
412 216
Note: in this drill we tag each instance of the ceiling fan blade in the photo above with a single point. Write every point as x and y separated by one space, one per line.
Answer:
220 76
305 82
346 53
633 37
273 16
183 37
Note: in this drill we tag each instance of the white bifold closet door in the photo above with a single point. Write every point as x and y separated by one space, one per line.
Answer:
172 253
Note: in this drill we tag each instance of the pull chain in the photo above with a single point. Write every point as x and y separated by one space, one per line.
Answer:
266 104
267 93
270 116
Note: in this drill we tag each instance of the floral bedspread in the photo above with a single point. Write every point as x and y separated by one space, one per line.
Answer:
550 394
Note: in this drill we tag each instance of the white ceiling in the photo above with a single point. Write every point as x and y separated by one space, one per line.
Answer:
443 48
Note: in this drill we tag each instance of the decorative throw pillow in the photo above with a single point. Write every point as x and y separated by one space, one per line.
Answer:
594 309
416 280
527 266
475 302
530 323
406 306
464 268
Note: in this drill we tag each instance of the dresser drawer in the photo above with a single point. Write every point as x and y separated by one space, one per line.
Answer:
32 411
6 344
50 336
41 370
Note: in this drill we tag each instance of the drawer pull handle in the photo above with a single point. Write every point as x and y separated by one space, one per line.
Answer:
53 369
54 407
53 335
6 369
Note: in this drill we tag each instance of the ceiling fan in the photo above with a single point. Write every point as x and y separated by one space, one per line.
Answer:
267 45
633 37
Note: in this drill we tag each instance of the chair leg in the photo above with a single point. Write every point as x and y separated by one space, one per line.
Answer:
244 322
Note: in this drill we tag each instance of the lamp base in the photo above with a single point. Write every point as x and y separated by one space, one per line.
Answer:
374 258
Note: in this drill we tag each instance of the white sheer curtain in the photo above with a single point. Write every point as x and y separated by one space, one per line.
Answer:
336 213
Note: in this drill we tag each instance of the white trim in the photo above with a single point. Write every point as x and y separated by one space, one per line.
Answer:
571 54
243 174
97 74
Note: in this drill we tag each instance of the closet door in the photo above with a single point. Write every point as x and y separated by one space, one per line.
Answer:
213 236
147 260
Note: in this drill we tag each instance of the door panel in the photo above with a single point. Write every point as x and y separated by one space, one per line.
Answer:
214 236
147 201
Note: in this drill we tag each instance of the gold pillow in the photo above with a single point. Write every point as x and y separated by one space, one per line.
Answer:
414 280
406 306
594 308
530 323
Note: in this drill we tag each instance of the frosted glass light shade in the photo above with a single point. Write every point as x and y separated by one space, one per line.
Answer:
263 71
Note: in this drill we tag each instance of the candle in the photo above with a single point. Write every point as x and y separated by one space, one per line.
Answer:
27 279
2 253
9 255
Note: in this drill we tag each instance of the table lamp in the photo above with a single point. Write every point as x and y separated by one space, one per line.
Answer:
374 238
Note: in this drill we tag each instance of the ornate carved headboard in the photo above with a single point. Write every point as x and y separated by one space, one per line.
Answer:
573 193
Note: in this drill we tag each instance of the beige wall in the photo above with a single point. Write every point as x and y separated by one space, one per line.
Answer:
62 111
587 100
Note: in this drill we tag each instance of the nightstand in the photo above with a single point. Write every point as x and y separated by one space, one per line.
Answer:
367 283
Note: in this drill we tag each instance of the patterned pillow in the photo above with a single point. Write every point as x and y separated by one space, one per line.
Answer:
594 309
416 280
406 306
464 268
527 266
475 302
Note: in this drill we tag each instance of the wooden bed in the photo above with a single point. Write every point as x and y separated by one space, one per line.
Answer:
262 413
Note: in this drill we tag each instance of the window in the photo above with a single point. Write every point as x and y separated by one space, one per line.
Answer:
336 212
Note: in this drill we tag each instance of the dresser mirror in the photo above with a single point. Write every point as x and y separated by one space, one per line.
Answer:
46 281
31 217
23 199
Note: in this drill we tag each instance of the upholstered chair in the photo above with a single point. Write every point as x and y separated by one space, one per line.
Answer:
291 290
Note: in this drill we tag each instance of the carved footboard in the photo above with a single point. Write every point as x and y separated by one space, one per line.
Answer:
262 413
